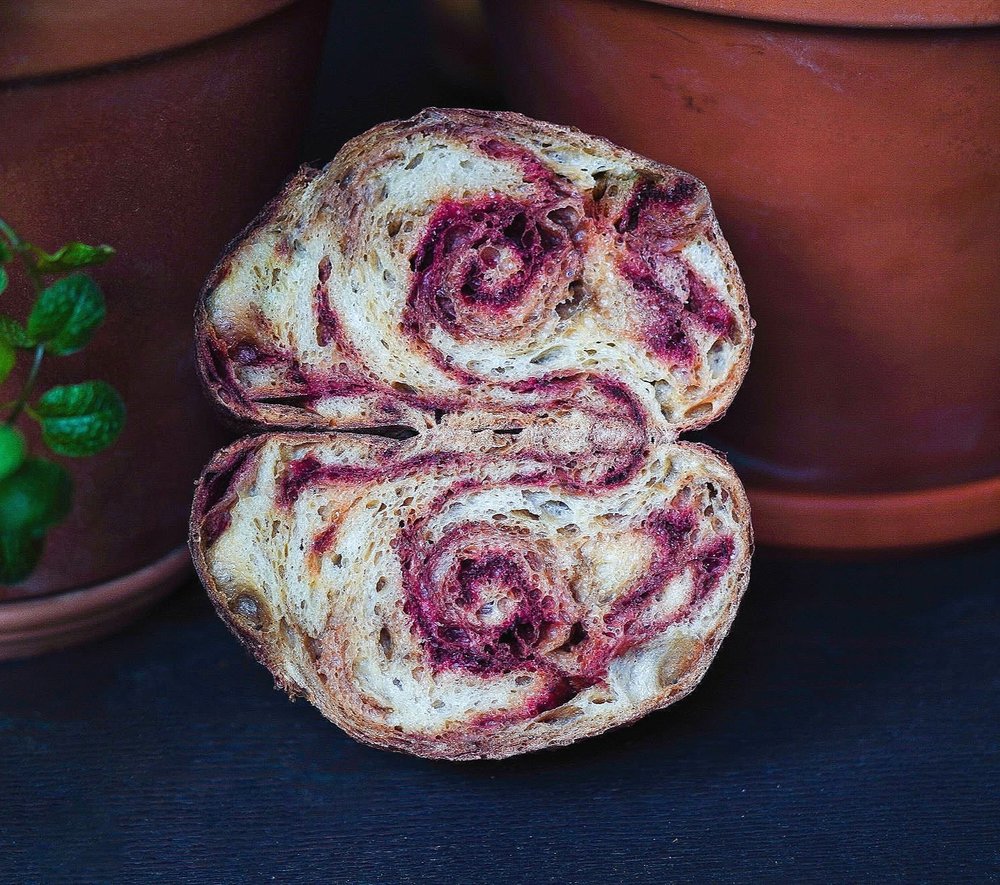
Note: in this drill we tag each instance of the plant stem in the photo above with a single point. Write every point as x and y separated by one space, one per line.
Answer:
29 384
12 237
22 249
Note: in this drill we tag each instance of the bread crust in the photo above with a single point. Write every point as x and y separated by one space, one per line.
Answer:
593 427
214 373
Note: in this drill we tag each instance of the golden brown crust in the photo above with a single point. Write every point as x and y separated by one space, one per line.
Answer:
213 370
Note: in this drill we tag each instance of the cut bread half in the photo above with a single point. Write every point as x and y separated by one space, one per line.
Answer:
466 260
470 594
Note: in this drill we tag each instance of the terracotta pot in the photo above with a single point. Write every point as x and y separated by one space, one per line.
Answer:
854 172
165 156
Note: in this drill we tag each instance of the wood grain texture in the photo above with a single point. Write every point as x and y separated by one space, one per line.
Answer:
846 732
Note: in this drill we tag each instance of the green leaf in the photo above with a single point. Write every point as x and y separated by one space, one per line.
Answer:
3 279
13 333
72 256
5 253
7 360
19 554
38 494
80 419
12 450
66 314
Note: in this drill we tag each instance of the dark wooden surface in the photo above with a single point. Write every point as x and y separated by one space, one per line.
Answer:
847 732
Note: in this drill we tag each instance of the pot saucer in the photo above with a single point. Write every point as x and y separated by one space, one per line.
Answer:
45 623
893 521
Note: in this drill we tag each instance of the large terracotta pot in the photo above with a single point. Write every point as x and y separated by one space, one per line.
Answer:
854 170
160 129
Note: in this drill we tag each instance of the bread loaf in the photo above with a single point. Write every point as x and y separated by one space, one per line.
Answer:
516 552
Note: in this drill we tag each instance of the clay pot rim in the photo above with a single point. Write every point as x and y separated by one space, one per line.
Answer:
890 521
62 37
876 14
33 624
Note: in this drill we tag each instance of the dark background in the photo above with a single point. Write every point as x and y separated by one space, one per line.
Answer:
848 730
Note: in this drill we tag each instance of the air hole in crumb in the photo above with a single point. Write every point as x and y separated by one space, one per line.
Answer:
682 498
566 217
571 306
380 585
313 647
522 680
437 705
560 713
699 411
600 185
577 634
385 641
416 161
550 354
390 431
401 387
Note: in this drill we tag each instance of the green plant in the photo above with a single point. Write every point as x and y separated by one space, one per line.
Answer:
75 419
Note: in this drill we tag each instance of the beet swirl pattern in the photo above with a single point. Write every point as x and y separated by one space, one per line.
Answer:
674 299
491 269
468 593
440 266
516 552
489 601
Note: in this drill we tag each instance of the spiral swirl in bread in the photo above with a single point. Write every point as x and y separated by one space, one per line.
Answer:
539 559
466 593
463 260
